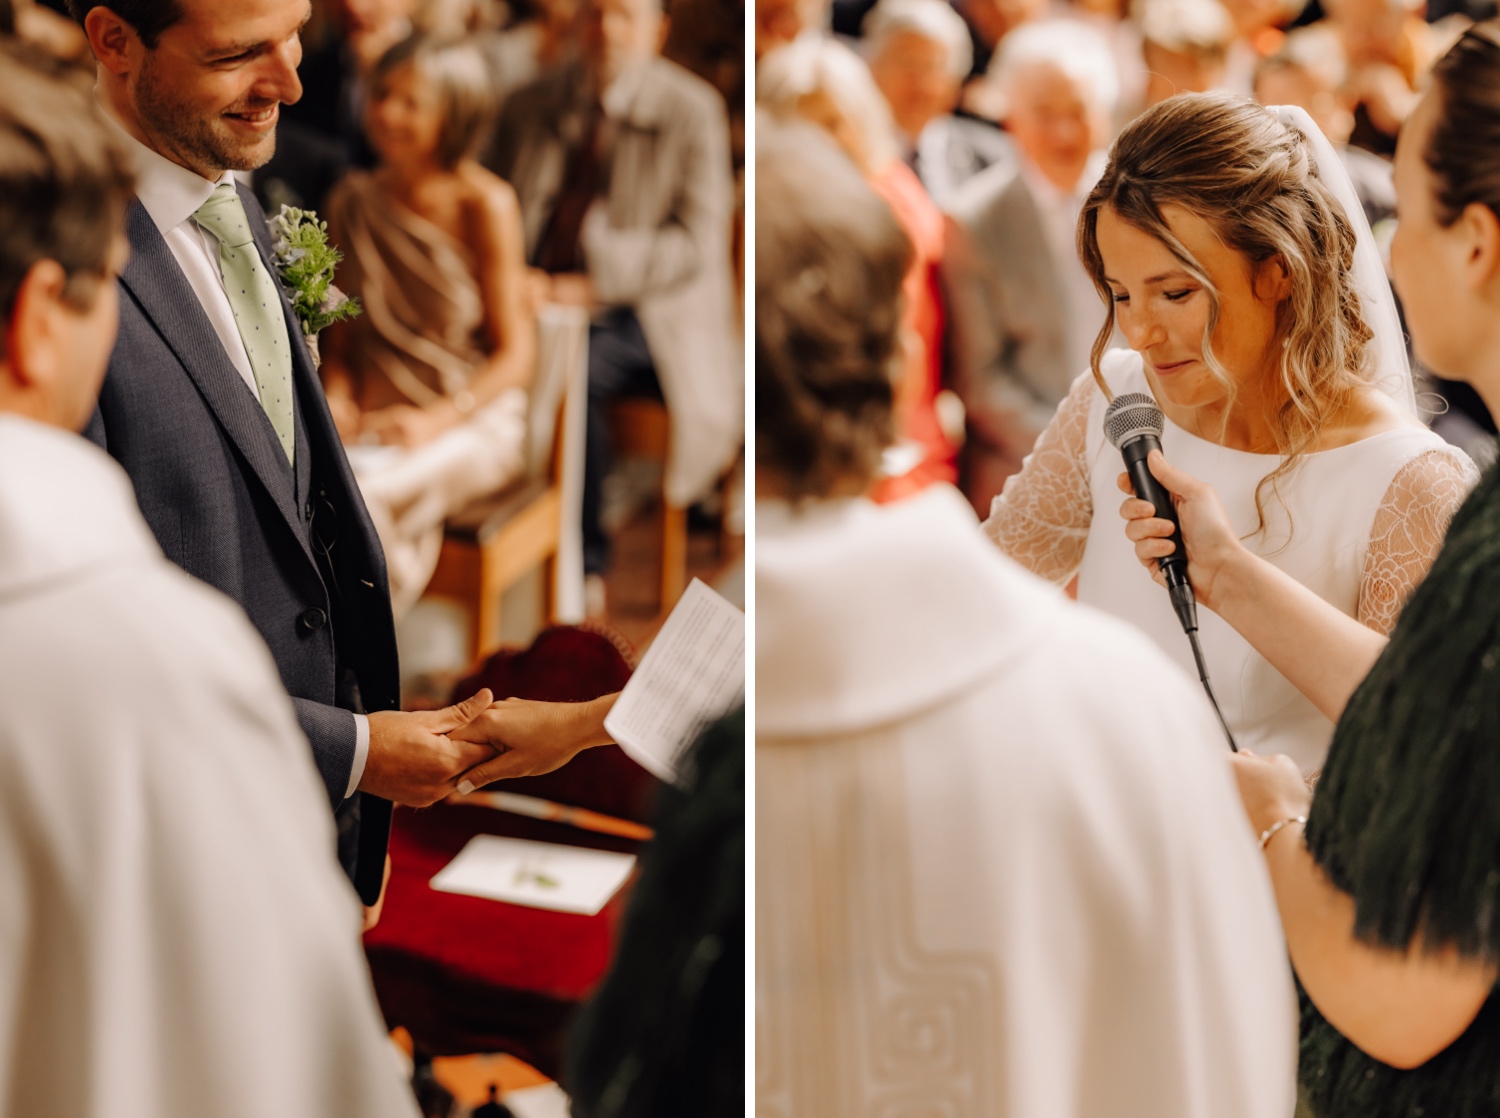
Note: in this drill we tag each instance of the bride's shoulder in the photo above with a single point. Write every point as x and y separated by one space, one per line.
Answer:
1370 412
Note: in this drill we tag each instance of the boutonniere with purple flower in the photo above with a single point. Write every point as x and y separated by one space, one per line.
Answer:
305 261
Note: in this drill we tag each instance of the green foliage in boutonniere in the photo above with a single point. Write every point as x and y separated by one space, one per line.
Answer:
305 261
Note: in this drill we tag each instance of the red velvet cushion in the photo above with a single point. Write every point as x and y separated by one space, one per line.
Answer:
466 974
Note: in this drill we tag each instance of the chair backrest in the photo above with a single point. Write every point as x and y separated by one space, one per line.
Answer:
555 440
561 350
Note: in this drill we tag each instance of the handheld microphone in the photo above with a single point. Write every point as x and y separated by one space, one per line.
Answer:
1133 423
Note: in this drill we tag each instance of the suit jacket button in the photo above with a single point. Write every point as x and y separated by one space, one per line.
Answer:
313 619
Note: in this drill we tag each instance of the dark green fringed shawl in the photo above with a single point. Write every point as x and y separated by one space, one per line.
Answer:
1407 820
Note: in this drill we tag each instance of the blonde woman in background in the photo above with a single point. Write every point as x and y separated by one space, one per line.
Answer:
435 371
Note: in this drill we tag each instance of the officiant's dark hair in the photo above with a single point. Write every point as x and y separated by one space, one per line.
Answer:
149 17
830 259
1463 149
64 182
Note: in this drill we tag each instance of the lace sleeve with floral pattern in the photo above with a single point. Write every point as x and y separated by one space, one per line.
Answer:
1409 529
1041 518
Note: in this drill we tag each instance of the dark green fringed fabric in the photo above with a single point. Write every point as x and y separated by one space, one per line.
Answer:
1407 820
664 1035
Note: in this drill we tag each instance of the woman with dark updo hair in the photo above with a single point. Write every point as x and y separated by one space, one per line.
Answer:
1388 880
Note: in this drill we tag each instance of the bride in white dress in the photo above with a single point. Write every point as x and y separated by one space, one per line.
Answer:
1240 271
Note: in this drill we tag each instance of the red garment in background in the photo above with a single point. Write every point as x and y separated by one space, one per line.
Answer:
921 376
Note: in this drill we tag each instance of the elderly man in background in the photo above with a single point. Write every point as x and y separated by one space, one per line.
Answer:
919 54
621 163
1024 313
175 940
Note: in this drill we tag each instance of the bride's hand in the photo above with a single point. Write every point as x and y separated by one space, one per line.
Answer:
1212 546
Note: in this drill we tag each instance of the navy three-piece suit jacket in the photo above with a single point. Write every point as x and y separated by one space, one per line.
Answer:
292 544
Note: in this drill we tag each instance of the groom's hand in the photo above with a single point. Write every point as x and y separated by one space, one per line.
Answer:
534 737
414 757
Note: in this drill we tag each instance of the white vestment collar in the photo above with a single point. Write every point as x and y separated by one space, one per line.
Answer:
64 506
826 662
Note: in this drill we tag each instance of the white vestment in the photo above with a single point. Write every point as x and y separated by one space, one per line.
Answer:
1001 867
176 937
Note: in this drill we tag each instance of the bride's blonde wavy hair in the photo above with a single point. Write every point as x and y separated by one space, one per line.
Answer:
1252 178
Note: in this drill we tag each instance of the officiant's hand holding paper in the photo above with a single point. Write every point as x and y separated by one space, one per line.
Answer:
534 737
416 758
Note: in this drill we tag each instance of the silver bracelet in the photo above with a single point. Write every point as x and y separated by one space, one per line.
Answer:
1269 832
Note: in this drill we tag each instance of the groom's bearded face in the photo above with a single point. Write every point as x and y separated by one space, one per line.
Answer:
208 95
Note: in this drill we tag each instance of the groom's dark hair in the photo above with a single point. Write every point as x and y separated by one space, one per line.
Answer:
149 17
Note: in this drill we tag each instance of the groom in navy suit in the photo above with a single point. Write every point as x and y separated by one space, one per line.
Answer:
213 406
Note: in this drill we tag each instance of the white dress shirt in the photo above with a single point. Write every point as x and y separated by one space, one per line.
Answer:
171 194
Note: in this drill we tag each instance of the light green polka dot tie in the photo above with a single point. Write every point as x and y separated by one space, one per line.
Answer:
257 307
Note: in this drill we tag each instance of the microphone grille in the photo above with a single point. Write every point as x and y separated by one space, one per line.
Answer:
1131 415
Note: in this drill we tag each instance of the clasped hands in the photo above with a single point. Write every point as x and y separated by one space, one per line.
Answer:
418 757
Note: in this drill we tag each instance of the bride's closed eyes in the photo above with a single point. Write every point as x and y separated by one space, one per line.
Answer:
1170 296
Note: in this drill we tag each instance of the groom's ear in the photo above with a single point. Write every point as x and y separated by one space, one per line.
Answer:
116 44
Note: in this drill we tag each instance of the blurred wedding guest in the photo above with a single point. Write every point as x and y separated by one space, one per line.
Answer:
1024 310
518 54
621 163
176 939
1259 29
436 368
48 29
1387 878
1115 23
779 22
821 81
1310 71
989 22
1184 46
999 864
335 71
919 55
1388 49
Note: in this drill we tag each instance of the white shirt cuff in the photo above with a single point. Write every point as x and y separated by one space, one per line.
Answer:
361 752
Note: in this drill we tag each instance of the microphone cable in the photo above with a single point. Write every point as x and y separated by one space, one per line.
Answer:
1134 424
1192 636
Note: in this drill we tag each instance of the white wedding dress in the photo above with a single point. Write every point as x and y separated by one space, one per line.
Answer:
1359 525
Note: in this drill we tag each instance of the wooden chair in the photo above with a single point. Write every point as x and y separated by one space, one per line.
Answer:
536 521
641 428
